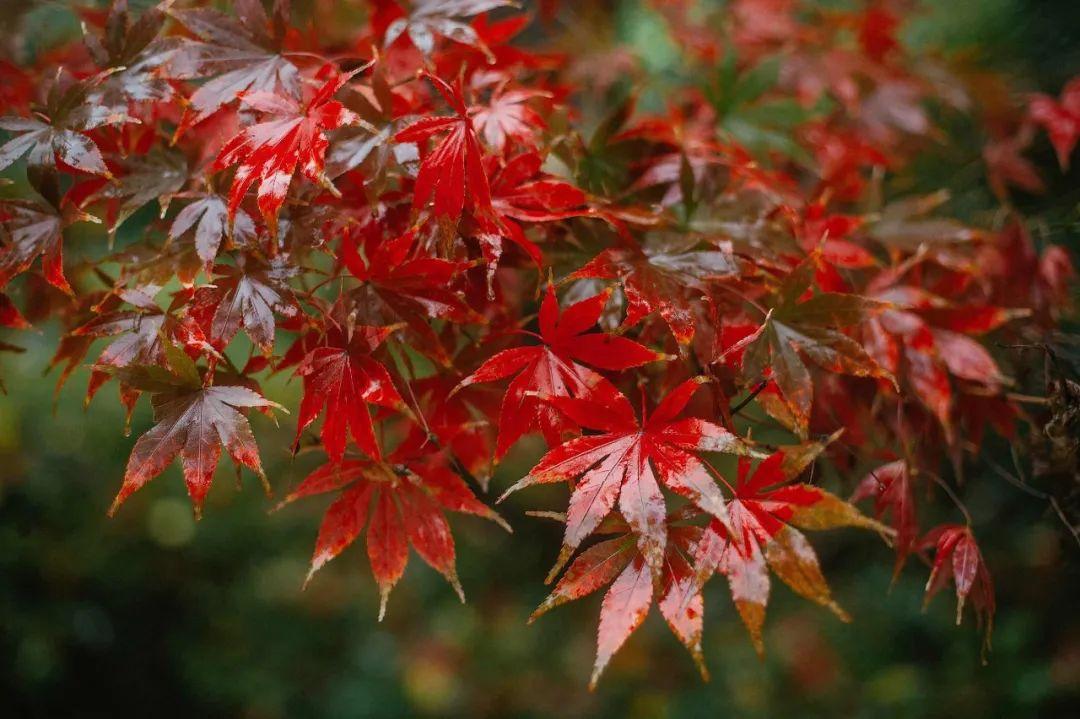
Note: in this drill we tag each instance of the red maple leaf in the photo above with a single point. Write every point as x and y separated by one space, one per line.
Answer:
455 167
619 563
668 278
624 463
520 192
403 283
341 375
890 486
406 497
762 535
553 369
957 557
193 420
1061 118
291 135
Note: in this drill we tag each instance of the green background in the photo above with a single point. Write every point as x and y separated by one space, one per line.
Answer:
149 614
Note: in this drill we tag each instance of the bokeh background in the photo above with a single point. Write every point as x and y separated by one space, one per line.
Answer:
151 614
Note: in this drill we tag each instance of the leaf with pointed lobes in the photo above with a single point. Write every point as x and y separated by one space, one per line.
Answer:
342 376
442 18
1060 118
59 143
558 368
618 562
193 422
292 135
957 557
507 116
27 230
624 463
521 192
238 55
765 516
668 277
244 297
10 316
454 167
407 497
137 342
795 331
209 215
890 486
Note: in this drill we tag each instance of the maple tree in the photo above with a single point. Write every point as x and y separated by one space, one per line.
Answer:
701 309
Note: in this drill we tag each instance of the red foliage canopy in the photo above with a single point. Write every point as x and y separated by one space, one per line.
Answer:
411 211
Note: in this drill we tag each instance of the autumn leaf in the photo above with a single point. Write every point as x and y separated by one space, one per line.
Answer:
957 557
667 277
209 215
890 486
1060 118
520 192
341 375
192 421
507 116
618 562
441 18
245 297
810 329
402 283
765 516
557 368
239 55
154 177
628 463
29 229
291 135
454 168
59 140
406 497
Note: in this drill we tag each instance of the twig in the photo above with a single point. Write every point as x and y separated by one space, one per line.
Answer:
750 397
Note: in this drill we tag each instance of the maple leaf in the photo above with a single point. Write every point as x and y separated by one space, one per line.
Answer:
890 486
29 229
811 329
454 167
137 333
624 463
135 51
10 316
406 497
270 151
618 562
341 375
554 369
1060 118
507 116
764 518
521 193
155 176
209 215
59 141
431 18
904 342
193 421
1006 166
668 276
238 53
402 283
245 297
957 556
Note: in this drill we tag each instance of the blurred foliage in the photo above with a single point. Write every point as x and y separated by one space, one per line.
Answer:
150 614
